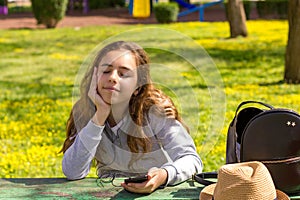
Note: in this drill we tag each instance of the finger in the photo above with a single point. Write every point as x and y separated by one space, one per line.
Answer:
94 79
138 185
132 188
93 86
128 187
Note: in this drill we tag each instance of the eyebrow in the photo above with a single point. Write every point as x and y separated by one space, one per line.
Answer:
110 65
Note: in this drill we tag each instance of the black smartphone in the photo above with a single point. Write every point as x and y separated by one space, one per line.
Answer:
137 179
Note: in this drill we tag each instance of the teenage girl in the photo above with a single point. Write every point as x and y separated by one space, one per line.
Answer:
127 125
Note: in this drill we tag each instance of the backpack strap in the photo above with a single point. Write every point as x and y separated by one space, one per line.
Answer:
247 102
202 178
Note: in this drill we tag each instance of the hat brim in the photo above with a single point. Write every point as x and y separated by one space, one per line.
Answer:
208 192
281 195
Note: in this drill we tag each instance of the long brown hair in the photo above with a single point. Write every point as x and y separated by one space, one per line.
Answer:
139 104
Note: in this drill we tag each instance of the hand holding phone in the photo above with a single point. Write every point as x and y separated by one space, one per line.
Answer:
137 179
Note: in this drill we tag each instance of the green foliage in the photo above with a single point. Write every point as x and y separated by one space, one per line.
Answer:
166 12
2 2
118 3
49 12
272 7
19 9
96 4
282 9
247 8
38 68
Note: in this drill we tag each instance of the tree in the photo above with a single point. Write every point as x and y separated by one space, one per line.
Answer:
237 18
3 2
49 12
292 58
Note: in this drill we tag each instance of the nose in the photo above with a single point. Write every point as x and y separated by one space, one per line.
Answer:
113 76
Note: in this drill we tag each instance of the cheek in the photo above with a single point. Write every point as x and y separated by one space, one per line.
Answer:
128 86
133 83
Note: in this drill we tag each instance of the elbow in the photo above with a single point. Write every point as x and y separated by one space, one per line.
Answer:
73 176
199 165
72 173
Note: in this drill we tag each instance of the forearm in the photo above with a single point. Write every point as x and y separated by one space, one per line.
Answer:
183 169
77 159
183 160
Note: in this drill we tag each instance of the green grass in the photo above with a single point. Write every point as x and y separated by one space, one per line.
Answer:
38 69
19 9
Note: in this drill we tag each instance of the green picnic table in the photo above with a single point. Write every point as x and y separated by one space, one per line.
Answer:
88 188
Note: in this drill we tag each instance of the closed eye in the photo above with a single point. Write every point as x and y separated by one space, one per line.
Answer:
123 71
106 71
106 68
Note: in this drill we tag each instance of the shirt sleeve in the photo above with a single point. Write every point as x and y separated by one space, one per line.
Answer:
77 159
180 148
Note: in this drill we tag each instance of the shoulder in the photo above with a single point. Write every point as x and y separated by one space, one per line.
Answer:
161 123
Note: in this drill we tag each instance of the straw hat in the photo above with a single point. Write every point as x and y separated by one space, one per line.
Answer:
246 181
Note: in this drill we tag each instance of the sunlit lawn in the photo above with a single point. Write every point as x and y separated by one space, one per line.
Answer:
38 69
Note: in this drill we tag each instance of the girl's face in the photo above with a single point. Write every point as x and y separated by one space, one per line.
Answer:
117 77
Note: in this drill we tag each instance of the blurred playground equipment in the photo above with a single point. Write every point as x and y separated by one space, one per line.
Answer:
3 10
190 8
142 8
137 8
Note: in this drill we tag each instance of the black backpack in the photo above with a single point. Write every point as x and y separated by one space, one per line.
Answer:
271 136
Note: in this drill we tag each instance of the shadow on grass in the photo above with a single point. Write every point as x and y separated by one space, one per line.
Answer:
25 91
280 82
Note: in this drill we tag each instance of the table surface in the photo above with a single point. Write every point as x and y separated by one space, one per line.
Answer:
88 188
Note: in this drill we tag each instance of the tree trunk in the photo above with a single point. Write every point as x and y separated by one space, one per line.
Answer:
292 58
237 18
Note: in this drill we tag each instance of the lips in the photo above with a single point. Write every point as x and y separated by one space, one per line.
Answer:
111 89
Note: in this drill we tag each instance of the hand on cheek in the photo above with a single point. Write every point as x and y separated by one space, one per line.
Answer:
103 109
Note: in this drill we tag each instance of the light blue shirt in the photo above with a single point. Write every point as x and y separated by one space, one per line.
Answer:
172 149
